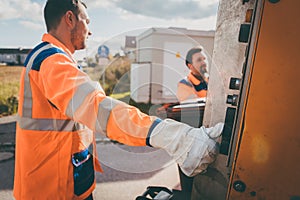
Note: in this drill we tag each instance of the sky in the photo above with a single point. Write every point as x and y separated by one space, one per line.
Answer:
22 25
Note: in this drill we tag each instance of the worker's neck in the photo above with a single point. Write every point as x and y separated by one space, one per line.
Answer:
64 38
199 77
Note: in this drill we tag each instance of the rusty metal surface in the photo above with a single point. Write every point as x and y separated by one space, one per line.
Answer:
268 155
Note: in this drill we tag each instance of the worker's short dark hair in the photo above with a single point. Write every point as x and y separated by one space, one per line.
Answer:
55 9
189 55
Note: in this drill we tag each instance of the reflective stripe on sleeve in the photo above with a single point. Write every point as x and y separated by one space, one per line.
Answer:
46 124
81 98
104 111
82 91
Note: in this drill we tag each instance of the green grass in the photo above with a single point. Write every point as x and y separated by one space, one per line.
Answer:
8 90
120 95
9 87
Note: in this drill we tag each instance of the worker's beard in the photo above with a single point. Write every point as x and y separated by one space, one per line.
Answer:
77 41
203 70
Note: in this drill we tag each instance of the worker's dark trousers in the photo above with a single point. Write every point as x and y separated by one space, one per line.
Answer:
90 197
186 184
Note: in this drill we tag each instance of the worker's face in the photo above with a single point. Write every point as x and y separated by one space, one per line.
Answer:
80 32
199 64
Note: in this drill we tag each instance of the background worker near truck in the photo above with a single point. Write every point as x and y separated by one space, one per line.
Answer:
195 84
192 87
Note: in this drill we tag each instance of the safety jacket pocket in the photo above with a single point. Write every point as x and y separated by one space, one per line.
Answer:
83 171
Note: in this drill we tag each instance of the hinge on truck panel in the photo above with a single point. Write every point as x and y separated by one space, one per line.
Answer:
227 131
244 32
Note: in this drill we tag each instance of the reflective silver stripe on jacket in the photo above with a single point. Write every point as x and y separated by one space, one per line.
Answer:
26 122
46 124
27 102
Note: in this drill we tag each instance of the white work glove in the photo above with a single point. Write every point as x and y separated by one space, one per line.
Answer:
192 148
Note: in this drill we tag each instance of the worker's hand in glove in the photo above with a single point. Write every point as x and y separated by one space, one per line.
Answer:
192 148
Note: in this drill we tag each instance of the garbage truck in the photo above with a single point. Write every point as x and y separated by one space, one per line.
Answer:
254 89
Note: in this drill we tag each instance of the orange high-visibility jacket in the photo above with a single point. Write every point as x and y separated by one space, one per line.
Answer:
190 88
60 108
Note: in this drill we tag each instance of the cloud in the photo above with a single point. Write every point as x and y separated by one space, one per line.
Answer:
31 25
21 9
169 9
28 13
92 4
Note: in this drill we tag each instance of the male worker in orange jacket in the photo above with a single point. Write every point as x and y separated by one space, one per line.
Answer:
195 84
61 108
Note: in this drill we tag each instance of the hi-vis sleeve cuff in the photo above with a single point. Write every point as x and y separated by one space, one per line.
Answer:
192 148
130 126
155 123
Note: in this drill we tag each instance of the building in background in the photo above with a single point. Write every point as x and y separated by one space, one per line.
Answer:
13 56
130 47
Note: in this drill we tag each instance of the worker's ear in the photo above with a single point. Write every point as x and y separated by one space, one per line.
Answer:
70 19
189 65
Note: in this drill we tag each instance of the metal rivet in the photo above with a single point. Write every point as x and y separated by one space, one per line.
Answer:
253 193
239 186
